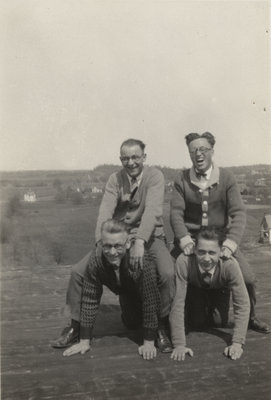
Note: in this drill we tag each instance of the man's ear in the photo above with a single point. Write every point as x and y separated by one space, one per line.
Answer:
144 157
128 244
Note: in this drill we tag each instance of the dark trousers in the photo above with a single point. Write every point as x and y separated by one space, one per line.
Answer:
205 307
249 279
131 310
247 273
164 263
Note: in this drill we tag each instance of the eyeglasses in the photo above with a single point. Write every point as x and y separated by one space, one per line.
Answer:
118 247
125 159
201 150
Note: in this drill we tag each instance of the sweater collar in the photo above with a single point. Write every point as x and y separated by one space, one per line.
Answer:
213 178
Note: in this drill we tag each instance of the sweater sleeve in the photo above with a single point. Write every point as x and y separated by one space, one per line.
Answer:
91 296
108 204
235 210
177 208
153 205
176 317
150 300
240 299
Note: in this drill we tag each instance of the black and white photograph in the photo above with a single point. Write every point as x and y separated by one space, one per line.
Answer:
135 199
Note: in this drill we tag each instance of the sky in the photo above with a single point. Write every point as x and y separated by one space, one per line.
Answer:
81 76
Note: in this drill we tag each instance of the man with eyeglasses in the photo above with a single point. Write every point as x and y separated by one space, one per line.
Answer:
135 196
139 297
206 195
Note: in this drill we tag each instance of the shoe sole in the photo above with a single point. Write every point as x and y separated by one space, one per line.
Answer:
63 346
166 350
259 330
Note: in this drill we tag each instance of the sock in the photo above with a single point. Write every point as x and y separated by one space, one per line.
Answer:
75 325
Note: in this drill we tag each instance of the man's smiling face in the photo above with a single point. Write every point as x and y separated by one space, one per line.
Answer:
207 253
132 158
201 154
114 246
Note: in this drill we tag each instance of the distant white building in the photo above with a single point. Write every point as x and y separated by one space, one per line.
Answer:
96 190
265 231
30 196
261 182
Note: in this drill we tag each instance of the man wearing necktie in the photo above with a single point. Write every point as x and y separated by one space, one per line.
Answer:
206 195
135 195
139 296
203 285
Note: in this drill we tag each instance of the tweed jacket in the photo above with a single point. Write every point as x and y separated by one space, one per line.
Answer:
143 283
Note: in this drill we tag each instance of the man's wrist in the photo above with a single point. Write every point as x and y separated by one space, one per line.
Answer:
85 341
184 241
230 244
237 344
140 242
148 342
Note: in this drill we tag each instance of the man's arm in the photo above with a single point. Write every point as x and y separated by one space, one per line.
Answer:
153 209
176 317
151 307
177 210
236 213
241 308
108 204
91 295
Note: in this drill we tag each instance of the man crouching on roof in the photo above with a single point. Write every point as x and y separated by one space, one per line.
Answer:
203 285
138 292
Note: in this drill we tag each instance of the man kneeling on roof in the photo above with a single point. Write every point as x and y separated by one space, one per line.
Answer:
203 285
138 292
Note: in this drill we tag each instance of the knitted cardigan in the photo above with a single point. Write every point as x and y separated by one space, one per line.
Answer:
144 213
220 205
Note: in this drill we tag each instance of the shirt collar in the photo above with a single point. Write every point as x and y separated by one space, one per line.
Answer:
138 178
211 271
207 174
210 180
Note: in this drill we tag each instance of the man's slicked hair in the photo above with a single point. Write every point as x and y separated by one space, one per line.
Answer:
133 142
206 135
114 226
211 233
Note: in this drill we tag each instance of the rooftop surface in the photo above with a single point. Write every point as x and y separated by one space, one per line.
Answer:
32 317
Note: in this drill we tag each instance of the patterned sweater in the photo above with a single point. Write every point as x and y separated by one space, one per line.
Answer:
220 205
228 275
144 213
144 283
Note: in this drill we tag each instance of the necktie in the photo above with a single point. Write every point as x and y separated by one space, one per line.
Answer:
117 274
200 175
133 188
206 278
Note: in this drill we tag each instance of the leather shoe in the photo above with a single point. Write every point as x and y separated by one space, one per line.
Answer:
163 342
68 337
258 326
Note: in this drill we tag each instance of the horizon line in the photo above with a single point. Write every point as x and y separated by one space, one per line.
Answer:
117 165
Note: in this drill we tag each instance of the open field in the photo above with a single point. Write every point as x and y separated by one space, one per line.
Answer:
46 233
